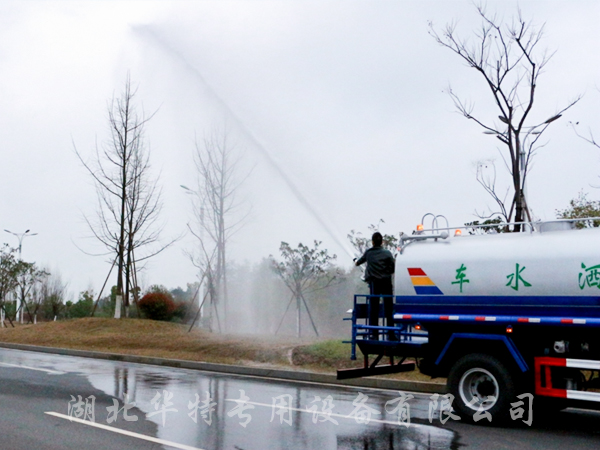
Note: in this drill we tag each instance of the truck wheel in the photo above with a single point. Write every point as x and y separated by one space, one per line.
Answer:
481 385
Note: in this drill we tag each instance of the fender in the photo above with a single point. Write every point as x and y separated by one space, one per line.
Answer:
510 346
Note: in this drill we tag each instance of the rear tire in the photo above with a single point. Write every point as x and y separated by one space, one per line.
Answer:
481 384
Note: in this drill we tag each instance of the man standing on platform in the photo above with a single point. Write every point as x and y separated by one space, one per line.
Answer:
379 271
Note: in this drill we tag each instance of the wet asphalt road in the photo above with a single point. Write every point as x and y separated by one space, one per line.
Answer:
62 402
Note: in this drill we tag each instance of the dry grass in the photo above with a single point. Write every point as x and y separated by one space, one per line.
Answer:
169 340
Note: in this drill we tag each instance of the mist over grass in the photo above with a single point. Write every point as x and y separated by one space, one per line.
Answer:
258 300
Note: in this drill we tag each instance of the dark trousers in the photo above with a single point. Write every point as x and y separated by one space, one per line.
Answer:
381 287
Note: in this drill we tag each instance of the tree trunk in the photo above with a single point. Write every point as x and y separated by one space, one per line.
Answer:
298 317
118 302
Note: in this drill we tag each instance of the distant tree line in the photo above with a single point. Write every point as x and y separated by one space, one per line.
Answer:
26 291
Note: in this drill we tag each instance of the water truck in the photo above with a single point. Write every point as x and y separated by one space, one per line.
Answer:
498 314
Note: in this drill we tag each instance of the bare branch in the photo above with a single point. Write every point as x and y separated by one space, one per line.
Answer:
507 58
218 213
128 198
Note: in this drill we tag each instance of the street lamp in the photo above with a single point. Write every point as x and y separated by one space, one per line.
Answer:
192 192
20 237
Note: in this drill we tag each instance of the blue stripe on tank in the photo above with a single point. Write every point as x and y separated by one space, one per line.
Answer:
428 290
490 305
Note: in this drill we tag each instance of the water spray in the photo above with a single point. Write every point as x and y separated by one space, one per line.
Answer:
147 33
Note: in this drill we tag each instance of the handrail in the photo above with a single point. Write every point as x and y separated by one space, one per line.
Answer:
532 224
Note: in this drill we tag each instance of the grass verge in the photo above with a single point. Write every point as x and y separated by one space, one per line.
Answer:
169 340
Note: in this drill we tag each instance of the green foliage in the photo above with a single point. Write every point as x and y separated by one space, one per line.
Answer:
8 271
303 267
28 276
159 289
11 308
325 354
106 305
181 310
83 307
187 296
157 305
52 305
329 349
304 270
178 294
184 300
493 226
19 278
581 207
361 243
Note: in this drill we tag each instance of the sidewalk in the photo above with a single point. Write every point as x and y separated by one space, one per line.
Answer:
261 372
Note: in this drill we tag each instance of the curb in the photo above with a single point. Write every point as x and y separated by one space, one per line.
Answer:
287 375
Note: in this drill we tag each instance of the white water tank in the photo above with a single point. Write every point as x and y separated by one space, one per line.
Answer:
548 263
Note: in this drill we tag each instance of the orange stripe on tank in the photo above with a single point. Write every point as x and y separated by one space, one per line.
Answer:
422 281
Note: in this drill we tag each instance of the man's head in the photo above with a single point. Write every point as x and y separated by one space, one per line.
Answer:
377 239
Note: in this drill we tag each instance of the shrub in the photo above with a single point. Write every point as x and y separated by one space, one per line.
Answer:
83 307
181 310
157 306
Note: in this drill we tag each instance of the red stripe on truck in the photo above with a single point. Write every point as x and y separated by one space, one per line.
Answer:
416 272
543 376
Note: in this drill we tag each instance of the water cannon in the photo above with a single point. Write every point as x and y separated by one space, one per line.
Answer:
405 240
421 237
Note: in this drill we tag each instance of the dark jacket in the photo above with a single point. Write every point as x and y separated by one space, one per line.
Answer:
380 263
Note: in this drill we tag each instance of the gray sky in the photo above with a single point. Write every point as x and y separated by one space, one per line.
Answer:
345 96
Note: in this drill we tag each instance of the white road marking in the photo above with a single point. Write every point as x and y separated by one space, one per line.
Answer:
120 431
51 372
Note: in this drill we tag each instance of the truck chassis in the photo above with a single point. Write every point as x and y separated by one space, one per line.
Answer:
490 357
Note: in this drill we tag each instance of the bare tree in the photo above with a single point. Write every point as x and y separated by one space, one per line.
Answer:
508 59
143 208
304 270
205 262
588 136
129 201
218 211
52 292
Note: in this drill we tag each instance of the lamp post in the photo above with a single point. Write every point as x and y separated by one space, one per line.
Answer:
192 192
20 237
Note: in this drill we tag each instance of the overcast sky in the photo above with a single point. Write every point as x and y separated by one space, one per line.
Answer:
346 97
